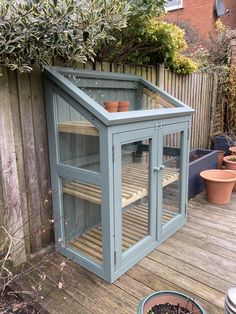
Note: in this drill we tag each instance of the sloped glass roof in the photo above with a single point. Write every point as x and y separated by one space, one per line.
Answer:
91 89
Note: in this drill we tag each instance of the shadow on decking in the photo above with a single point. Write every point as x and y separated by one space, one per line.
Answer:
199 260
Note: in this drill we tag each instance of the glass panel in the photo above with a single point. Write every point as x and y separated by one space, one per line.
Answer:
135 192
78 138
82 218
153 100
171 177
138 96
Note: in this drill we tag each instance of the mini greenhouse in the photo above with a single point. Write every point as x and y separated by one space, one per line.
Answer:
119 179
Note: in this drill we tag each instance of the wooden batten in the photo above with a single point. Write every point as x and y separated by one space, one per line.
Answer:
134 185
134 228
78 127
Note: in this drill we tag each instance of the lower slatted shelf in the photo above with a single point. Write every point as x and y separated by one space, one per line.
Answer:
134 184
134 228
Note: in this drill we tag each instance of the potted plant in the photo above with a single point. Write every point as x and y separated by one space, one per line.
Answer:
219 185
232 150
169 302
230 162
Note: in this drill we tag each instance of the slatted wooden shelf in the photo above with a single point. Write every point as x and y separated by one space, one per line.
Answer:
78 127
134 228
134 185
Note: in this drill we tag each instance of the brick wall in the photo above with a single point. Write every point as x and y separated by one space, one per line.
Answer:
201 15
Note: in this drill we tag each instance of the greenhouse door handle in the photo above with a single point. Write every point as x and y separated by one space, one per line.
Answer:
159 168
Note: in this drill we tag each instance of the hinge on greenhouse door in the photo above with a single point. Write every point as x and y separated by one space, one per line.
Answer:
185 208
115 257
113 153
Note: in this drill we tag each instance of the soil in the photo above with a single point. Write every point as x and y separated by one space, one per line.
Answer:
233 159
13 304
195 157
168 309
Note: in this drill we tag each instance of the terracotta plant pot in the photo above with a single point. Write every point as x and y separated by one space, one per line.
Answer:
219 185
233 150
220 156
230 162
171 297
234 171
111 106
123 106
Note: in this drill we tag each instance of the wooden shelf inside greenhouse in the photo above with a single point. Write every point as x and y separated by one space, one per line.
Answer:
78 127
134 184
134 228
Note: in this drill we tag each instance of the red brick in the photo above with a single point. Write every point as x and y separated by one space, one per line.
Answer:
201 15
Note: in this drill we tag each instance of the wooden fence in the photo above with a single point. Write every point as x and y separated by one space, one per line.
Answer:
24 167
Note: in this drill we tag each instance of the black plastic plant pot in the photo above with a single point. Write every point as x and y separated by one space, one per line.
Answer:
172 298
220 142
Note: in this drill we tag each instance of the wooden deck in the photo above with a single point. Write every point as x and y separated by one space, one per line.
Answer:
199 260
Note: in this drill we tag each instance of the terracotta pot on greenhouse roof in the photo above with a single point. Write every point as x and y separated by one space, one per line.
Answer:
123 106
111 106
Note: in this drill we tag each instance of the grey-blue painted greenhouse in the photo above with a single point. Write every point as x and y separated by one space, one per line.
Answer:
119 179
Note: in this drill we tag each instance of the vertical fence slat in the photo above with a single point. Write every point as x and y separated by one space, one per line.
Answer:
41 149
15 109
33 190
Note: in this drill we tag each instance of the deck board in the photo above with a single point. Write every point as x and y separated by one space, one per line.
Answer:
199 260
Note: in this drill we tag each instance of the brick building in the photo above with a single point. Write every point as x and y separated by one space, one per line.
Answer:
201 15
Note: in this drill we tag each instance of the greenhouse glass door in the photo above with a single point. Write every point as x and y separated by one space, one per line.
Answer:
150 196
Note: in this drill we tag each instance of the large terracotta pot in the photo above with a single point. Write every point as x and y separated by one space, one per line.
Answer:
111 106
230 162
123 106
233 150
234 171
172 297
219 185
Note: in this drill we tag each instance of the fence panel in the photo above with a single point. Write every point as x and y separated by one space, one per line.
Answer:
195 90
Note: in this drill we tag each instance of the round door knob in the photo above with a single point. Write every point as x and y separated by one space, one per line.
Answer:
162 167
156 168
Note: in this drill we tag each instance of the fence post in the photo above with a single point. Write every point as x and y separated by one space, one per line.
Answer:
160 75
213 108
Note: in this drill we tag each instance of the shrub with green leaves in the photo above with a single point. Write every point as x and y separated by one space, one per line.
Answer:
147 39
32 32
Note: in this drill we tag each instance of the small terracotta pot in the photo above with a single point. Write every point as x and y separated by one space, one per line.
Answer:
111 106
230 162
219 185
123 106
233 150
220 156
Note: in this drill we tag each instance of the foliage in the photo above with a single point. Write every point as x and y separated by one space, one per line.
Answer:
182 65
34 31
220 46
147 39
